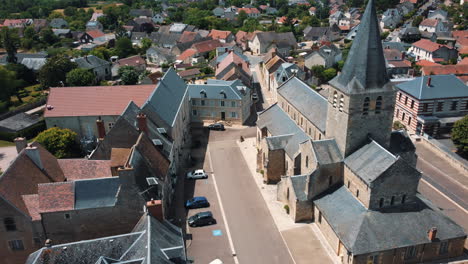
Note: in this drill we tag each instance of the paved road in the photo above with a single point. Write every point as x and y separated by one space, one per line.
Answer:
255 236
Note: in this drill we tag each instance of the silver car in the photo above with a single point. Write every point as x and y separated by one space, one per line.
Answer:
197 174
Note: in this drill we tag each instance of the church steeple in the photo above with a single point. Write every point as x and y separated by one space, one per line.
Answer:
365 67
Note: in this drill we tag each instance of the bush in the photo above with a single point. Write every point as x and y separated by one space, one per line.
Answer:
286 208
460 135
397 125
60 142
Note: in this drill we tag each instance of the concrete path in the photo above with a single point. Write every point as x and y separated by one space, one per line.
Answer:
7 155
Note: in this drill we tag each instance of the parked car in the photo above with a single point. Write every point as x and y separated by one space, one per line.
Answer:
197 174
201 219
216 126
197 202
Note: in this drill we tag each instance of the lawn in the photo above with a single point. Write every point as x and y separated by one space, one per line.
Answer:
29 94
4 143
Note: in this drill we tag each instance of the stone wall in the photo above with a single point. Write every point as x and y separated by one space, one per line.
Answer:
356 186
82 125
445 154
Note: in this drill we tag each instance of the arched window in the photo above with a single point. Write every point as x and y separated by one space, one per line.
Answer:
403 199
341 103
357 193
392 201
307 162
381 202
365 106
335 98
378 105
9 223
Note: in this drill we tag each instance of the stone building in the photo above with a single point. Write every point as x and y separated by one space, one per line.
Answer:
357 180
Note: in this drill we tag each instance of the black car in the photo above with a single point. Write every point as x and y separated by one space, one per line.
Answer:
201 219
197 202
216 126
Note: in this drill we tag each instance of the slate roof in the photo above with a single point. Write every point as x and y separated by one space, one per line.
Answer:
364 231
81 169
141 12
95 100
150 242
298 183
327 151
18 122
90 62
164 39
220 58
165 101
95 193
370 161
34 64
278 142
58 23
365 65
280 39
442 86
214 87
400 142
232 58
307 101
22 56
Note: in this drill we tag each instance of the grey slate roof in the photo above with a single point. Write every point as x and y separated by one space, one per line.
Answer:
365 65
220 58
18 122
34 64
280 39
307 101
298 184
90 62
442 86
370 161
278 142
150 242
58 23
22 56
94 193
214 87
364 231
327 151
400 142
167 98
164 39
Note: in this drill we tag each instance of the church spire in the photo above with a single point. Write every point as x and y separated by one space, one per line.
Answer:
365 67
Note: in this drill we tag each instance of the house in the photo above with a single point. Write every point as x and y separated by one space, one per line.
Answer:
222 36
405 8
218 12
284 72
438 14
20 123
141 13
62 32
100 67
141 24
159 56
17 23
137 62
34 60
97 14
78 108
396 62
230 13
188 36
264 41
266 69
243 38
312 11
335 17
220 100
409 34
58 23
187 56
204 47
337 163
460 69
189 74
326 56
40 23
331 33
159 18
431 104
427 50
430 25
251 12
391 18
137 37
233 67
93 36
94 25
165 240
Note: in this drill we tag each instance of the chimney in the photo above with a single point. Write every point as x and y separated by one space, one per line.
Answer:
48 243
34 155
429 81
155 209
431 234
141 121
101 129
21 143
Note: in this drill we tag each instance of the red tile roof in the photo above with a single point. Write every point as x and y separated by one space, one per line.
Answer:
79 169
187 36
219 34
464 61
31 202
429 22
95 100
427 45
249 10
425 63
464 79
400 64
186 54
460 34
207 45
189 72
56 197
132 61
95 33
446 69
231 58
312 8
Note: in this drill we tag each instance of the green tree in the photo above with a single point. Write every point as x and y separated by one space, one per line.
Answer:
70 11
22 73
241 17
328 74
48 36
145 44
60 142
8 84
124 47
80 77
55 70
101 52
417 20
10 41
128 75
460 135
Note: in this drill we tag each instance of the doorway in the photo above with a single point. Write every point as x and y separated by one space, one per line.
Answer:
223 115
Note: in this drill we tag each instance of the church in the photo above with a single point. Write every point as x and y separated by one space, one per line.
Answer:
337 162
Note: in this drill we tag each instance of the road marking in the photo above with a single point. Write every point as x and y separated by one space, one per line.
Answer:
443 173
231 244
445 196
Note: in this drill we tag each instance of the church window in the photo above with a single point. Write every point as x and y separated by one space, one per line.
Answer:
392 201
403 199
307 162
349 183
381 202
365 106
341 103
357 193
335 98
378 105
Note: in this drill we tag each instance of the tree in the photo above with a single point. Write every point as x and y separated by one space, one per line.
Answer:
416 21
101 52
460 135
48 36
70 11
60 142
80 77
328 74
241 17
7 83
55 70
10 41
128 75
124 47
145 44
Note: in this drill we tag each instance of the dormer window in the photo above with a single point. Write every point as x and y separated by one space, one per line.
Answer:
223 94
203 94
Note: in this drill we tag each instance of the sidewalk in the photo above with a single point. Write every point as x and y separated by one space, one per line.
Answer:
304 241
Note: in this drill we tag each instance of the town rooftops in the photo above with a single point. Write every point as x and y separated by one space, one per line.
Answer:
248 10
134 61
326 151
458 69
188 36
301 96
207 45
80 169
219 34
364 231
218 89
94 100
429 22
435 87
95 33
232 58
427 45
90 62
94 193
